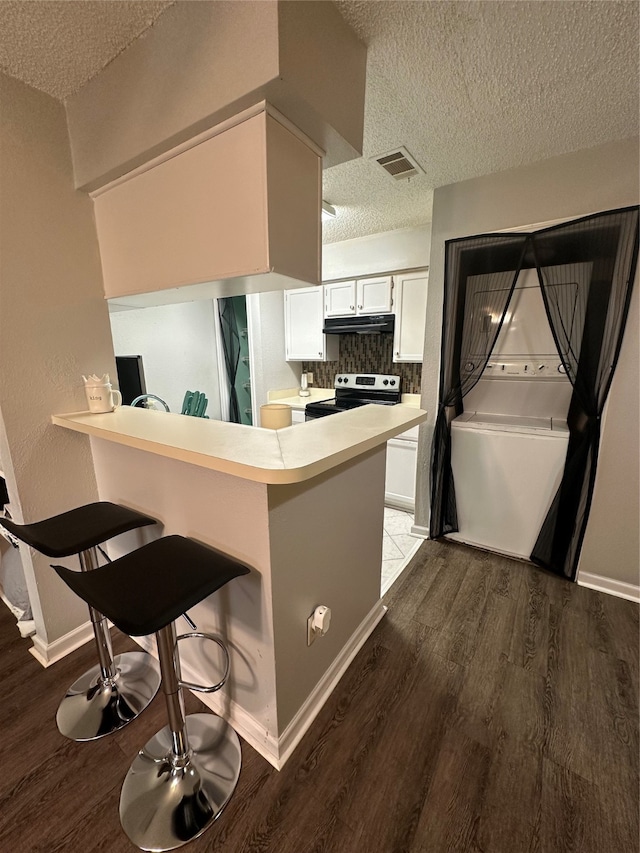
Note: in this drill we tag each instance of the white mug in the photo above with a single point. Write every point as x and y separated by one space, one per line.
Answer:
102 397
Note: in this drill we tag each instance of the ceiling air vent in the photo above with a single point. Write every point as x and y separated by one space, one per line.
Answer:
399 164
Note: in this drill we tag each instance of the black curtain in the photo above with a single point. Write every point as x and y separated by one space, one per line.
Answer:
597 255
480 274
231 348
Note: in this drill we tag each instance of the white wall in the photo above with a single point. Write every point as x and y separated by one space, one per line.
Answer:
54 326
406 248
178 348
269 369
568 186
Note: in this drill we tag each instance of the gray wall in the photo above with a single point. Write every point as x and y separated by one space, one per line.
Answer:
54 326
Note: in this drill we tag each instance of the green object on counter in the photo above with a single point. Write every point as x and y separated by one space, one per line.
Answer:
195 404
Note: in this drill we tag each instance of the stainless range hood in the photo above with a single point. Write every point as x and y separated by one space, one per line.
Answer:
370 324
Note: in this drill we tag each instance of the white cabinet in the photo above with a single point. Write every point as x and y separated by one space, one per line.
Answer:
400 481
340 299
297 416
303 322
361 296
411 311
374 295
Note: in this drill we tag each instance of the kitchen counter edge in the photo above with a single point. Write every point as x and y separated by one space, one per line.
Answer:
274 457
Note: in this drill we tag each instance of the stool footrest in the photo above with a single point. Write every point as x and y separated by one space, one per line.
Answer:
203 688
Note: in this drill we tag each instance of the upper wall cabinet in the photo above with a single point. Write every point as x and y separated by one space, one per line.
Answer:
374 295
303 322
237 213
340 299
411 311
361 296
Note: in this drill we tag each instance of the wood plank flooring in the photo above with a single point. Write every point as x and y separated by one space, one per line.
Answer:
494 710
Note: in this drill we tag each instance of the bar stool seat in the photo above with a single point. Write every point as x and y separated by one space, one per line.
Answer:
184 776
116 690
78 529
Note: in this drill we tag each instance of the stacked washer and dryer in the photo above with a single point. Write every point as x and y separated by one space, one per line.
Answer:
510 443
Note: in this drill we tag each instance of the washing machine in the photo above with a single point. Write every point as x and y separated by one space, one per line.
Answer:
510 444
506 471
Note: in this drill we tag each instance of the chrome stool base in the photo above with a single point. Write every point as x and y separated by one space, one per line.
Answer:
95 707
166 803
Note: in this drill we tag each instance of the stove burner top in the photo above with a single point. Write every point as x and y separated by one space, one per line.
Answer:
357 389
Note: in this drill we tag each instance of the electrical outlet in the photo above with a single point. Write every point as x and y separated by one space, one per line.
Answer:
309 378
318 623
311 634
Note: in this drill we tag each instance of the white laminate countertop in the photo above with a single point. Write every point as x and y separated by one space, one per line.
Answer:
290 397
290 455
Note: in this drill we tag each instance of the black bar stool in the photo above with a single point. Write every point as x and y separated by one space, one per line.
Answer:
184 776
116 690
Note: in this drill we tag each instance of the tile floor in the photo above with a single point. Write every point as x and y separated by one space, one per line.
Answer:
398 545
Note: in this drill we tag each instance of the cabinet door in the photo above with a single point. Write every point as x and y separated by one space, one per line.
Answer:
411 312
303 322
297 416
400 481
340 299
374 295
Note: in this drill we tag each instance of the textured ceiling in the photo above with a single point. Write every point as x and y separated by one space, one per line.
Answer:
57 45
473 88
468 88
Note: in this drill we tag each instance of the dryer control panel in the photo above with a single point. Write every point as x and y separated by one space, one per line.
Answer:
522 368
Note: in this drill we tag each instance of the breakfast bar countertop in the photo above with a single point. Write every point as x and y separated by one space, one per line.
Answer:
290 455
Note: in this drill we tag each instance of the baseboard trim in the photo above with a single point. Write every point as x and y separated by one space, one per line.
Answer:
314 702
620 589
399 502
48 653
419 530
277 750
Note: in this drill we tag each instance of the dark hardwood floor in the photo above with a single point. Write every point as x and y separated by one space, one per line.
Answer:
494 710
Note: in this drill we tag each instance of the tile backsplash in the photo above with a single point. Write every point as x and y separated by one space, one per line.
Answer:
365 354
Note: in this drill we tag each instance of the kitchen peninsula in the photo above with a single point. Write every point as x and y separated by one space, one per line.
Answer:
303 506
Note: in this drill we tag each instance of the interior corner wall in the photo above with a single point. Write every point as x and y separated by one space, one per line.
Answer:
565 187
54 326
